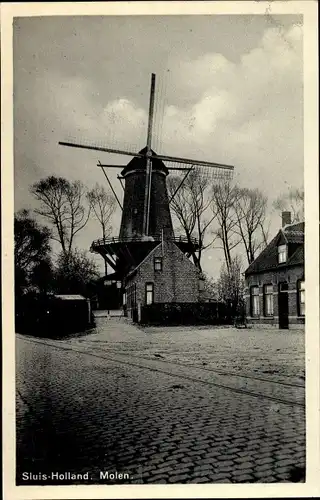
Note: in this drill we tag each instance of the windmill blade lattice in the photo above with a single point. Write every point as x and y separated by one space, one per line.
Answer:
99 145
209 172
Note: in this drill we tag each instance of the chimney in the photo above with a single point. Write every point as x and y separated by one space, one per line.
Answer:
286 218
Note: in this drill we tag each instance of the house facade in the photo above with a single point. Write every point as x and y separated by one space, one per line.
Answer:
166 275
275 288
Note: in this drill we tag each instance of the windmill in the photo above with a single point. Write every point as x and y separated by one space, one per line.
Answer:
146 218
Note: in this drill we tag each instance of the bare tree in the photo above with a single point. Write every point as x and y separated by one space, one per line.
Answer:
231 288
224 197
190 204
250 210
265 234
62 205
293 201
103 205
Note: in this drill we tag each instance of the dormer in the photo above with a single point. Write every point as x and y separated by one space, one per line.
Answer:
290 239
282 253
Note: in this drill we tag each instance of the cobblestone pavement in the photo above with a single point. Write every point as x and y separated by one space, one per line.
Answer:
169 405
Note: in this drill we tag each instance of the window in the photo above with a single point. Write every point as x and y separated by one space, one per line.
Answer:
268 300
282 253
149 293
158 264
301 298
255 309
283 287
201 285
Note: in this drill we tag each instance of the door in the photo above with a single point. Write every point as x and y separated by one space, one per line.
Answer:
283 305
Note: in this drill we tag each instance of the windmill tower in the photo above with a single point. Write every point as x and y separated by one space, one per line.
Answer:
146 218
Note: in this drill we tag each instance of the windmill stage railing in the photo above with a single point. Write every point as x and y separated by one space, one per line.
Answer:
138 239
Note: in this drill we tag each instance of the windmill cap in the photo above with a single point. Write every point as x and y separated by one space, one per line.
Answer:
138 163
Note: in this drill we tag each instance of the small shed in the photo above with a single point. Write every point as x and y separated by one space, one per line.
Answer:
52 315
71 312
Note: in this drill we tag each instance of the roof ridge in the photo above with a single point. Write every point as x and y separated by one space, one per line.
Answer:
291 226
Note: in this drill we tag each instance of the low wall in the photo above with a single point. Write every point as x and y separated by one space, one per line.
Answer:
186 313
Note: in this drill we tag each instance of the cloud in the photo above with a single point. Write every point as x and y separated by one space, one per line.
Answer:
254 103
235 93
249 103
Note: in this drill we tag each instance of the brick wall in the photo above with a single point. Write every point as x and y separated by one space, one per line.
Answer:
178 281
290 275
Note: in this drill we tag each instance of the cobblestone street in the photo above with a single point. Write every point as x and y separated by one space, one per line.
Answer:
163 405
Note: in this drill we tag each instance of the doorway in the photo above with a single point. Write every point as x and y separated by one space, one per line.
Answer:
283 305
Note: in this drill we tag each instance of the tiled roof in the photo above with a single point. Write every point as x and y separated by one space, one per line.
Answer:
294 237
297 226
297 257
294 233
268 258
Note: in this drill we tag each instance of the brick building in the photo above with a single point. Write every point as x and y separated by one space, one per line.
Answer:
165 275
275 280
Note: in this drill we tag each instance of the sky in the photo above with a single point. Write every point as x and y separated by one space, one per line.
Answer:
229 89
